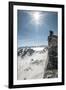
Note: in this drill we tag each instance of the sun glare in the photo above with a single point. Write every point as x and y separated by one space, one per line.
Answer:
36 17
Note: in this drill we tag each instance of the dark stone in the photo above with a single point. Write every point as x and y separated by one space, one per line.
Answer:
52 51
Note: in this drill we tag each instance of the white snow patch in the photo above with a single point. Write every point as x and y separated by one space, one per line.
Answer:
38 48
32 67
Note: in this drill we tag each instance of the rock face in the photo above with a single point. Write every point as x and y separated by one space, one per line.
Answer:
52 51
52 66
23 51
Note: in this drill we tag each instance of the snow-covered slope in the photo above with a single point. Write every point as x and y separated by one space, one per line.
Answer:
32 63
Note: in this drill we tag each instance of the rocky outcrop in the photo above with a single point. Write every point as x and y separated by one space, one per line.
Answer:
52 51
23 51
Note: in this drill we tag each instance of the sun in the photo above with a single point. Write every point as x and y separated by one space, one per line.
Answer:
36 17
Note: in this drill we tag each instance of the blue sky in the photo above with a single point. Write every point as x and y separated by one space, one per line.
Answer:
33 29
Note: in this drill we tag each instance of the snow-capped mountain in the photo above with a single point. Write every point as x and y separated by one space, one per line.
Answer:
29 51
23 51
32 62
